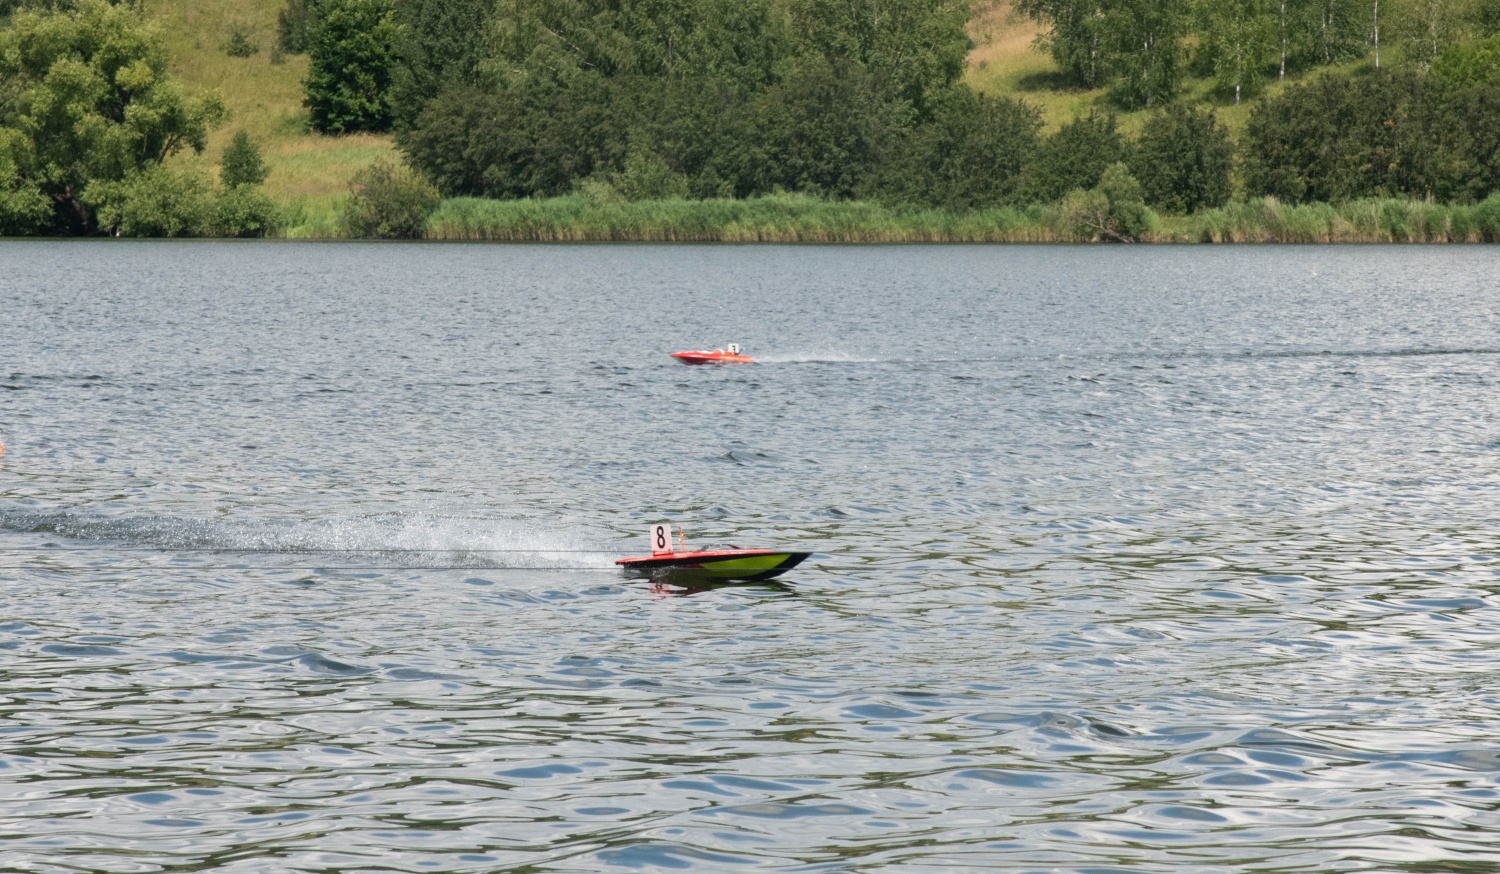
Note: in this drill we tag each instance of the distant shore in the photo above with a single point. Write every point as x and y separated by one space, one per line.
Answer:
799 219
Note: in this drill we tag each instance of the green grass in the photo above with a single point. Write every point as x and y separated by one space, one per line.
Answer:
264 99
802 219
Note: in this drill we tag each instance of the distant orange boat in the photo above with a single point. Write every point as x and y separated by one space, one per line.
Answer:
728 355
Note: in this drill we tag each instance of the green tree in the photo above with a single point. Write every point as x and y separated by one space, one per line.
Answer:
1386 135
1424 28
1183 159
441 43
349 66
969 156
1074 35
1239 36
912 48
241 163
1145 49
823 130
1074 157
1328 31
88 100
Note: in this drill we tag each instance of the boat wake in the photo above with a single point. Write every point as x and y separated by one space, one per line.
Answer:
402 540
816 358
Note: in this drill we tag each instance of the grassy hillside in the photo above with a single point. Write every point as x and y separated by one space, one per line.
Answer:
1003 62
264 99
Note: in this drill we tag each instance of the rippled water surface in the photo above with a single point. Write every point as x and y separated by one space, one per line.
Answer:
1156 560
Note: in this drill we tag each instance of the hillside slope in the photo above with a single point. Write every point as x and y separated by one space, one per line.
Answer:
1003 62
264 98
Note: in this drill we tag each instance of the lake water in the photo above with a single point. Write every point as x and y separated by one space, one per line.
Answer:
1127 559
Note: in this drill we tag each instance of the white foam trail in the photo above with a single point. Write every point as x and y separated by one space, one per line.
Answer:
815 358
418 540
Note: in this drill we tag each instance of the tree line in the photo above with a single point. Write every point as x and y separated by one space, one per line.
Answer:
651 99
629 100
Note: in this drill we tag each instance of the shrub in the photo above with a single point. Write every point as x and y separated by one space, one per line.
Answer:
156 201
647 177
1487 219
241 163
245 211
1112 211
239 44
388 201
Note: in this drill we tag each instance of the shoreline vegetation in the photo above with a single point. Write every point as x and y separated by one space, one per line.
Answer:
794 218
742 121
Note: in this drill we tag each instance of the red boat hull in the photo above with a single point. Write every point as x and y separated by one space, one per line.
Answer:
717 356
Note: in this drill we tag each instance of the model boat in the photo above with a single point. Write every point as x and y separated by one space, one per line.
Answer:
710 564
728 355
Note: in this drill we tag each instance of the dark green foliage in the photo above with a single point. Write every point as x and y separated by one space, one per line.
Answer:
88 101
440 45
239 44
389 201
295 24
1183 159
1112 211
1390 134
1485 17
821 131
913 49
350 62
241 163
532 139
1074 157
970 156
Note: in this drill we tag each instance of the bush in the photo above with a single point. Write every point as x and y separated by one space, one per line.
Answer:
389 201
239 44
245 211
647 177
1183 159
241 163
1112 211
156 201
1487 219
